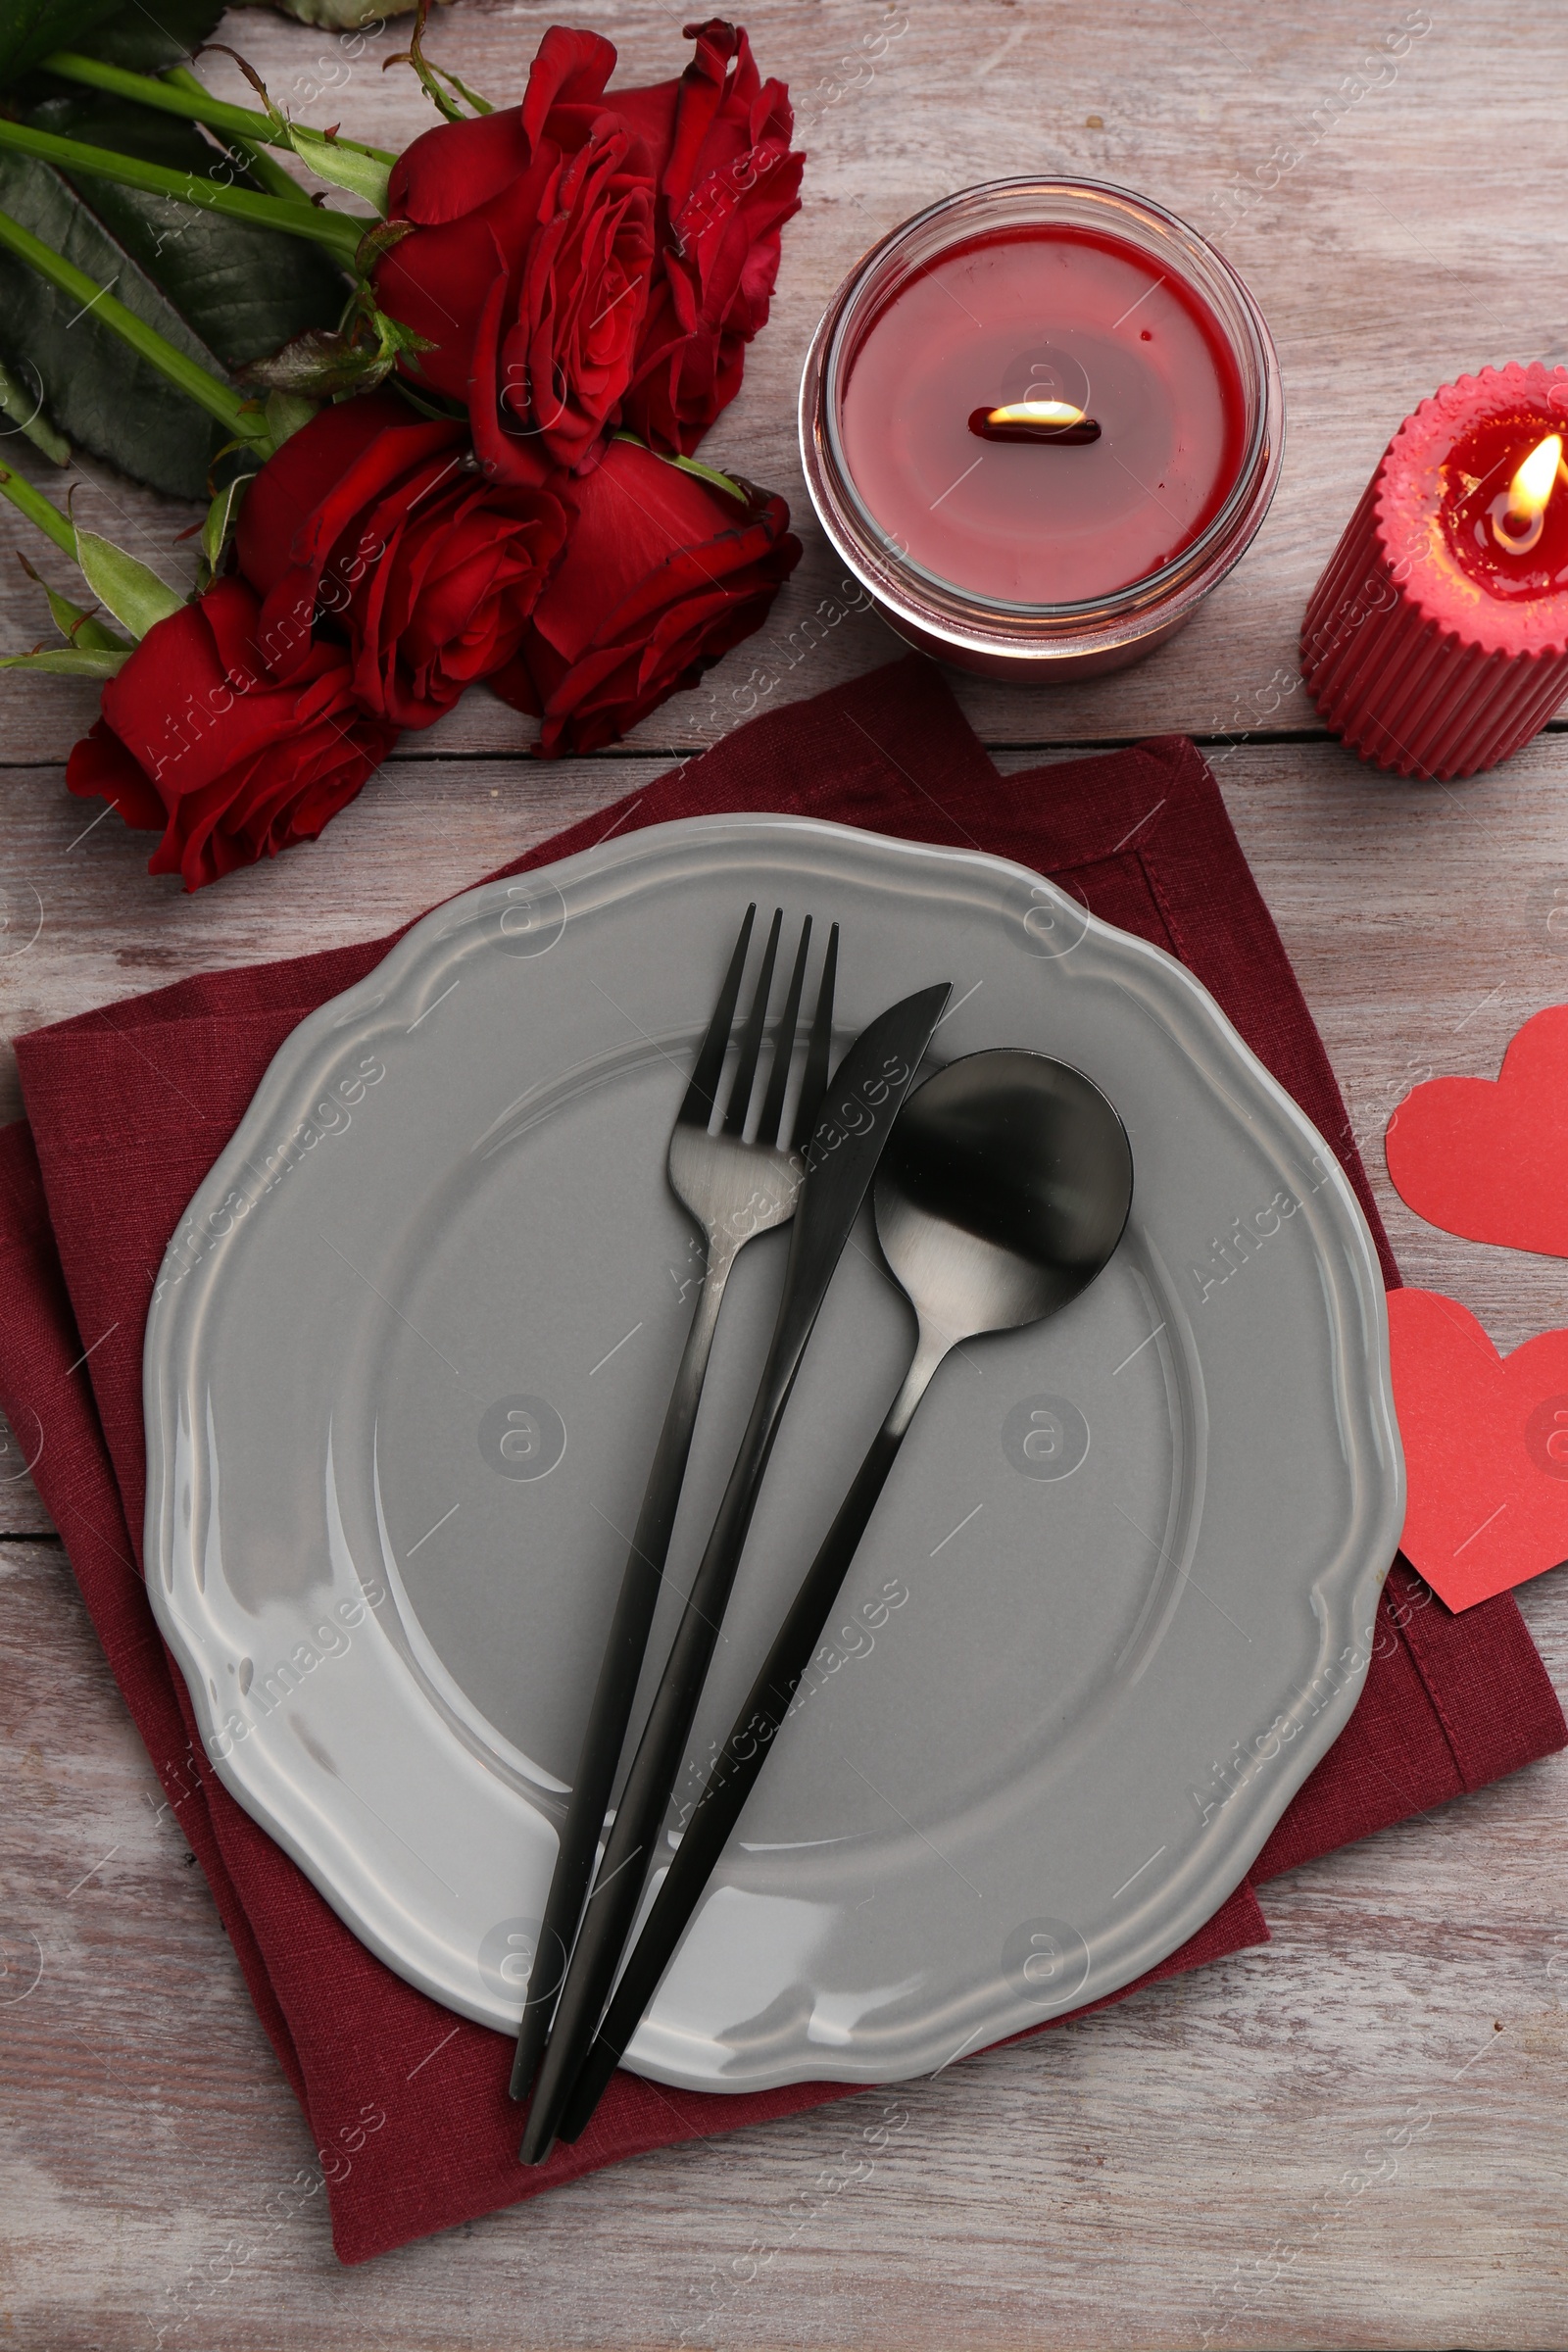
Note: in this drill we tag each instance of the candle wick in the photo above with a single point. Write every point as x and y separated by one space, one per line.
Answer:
1042 421
1517 532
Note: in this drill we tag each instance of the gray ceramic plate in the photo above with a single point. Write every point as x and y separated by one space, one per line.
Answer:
405 1365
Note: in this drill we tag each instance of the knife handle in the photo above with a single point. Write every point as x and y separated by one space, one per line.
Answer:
731 1782
747 1750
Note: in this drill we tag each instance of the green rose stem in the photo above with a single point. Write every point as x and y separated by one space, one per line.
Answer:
39 510
254 156
28 416
181 93
338 231
242 419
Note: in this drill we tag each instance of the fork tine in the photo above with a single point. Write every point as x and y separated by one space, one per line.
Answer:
698 1107
771 1124
740 1094
814 1085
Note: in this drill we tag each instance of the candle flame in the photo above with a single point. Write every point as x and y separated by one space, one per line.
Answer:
1531 486
1049 412
1519 516
1042 421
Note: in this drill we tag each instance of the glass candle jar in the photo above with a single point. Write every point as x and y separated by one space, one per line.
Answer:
1040 422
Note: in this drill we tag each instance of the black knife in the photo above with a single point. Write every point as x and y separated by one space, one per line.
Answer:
856 1119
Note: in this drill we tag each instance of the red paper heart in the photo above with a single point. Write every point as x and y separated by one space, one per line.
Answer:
1490 1161
1485 1448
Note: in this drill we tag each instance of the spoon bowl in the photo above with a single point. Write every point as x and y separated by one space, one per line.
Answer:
1004 1191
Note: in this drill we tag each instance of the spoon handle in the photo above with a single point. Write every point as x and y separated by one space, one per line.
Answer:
745 1750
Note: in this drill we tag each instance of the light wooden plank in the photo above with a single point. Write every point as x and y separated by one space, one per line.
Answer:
1425 926
419 832
21 1511
1413 906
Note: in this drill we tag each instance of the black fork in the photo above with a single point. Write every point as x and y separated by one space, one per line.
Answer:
734 1189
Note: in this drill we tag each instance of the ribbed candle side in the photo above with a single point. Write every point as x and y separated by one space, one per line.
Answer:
1391 663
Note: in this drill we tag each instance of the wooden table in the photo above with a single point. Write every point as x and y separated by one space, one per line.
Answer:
1191 2166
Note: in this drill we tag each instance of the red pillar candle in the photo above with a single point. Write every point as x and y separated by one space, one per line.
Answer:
1041 422
1437 641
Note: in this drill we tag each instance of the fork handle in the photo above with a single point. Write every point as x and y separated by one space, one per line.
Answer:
615 1689
617 1886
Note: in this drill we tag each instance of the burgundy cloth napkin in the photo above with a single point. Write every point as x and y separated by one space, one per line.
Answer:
128 1107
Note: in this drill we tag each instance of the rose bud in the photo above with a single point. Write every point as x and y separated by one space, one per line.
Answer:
727 183
527 262
663 572
373 523
197 740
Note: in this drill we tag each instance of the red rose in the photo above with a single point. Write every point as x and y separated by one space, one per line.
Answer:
728 180
663 572
380 520
199 740
527 263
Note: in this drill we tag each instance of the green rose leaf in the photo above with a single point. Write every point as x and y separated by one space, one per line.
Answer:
244 290
123 33
31 29
321 365
136 596
344 166
341 15
146 41
73 622
102 396
71 661
221 291
222 516
286 413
